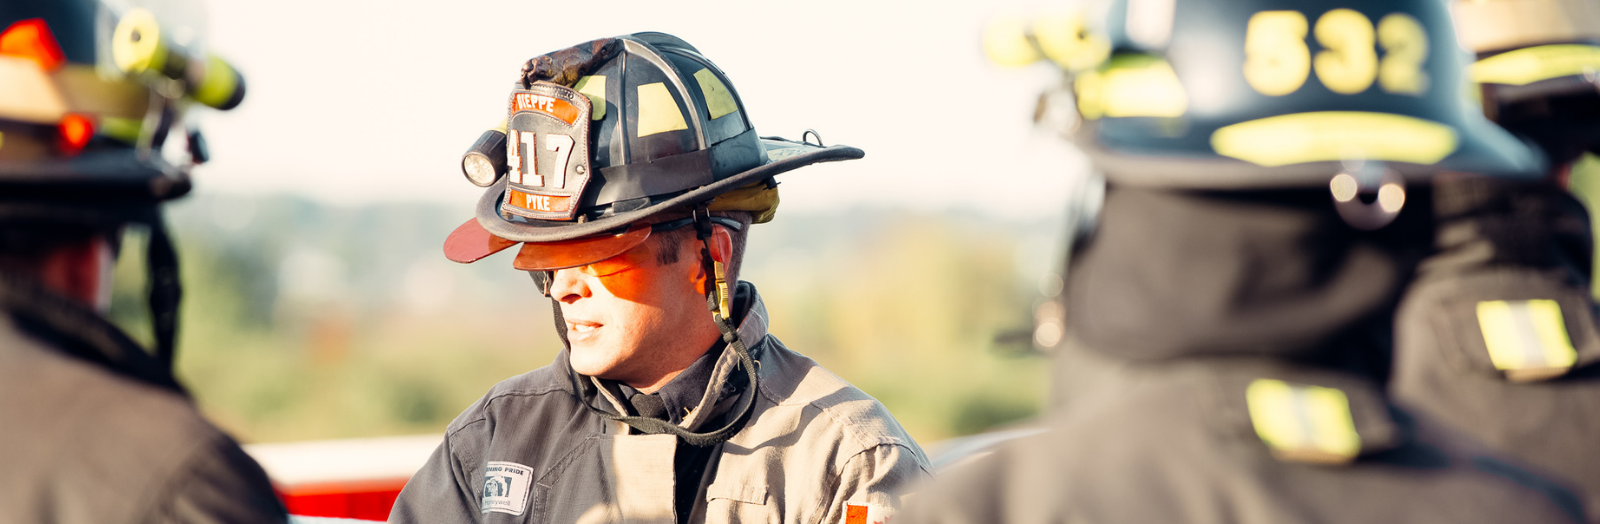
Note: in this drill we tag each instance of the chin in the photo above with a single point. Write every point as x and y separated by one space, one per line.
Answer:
589 360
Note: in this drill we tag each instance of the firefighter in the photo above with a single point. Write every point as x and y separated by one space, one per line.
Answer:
1235 299
94 427
1497 335
629 174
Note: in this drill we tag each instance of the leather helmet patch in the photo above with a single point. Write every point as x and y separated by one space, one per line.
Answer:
547 152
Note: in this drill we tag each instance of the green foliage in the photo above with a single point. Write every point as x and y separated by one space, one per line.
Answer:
303 321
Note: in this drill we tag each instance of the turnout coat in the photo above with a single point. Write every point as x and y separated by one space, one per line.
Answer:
814 449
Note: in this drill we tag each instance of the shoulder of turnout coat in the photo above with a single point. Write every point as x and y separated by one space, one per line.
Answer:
80 443
1497 337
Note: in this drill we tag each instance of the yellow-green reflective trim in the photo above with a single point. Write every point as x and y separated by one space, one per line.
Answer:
658 112
1005 41
1303 423
219 84
594 86
1131 86
1065 39
1532 64
719 101
122 129
1526 338
148 53
1335 135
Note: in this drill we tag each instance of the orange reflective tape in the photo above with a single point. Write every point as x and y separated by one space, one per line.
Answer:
854 514
556 107
538 202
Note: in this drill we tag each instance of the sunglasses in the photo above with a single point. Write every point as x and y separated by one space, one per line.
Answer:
632 257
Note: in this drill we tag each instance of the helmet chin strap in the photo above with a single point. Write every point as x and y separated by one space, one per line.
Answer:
165 291
719 301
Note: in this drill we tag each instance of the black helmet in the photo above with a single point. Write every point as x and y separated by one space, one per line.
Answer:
600 138
612 132
1211 94
82 139
1539 68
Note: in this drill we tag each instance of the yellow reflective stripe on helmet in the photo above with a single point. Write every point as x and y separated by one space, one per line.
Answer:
30 95
1131 86
593 86
1529 65
1335 135
86 91
1006 41
123 129
1496 25
1064 38
719 101
1303 423
658 112
1527 339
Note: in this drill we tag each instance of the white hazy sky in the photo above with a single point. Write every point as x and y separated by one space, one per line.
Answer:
363 101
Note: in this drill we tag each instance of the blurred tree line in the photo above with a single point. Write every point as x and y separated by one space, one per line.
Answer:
303 320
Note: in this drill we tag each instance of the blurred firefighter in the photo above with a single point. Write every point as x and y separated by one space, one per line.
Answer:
1497 335
629 173
1233 316
94 427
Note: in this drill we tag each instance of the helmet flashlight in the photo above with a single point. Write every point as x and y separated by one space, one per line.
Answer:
139 45
486 159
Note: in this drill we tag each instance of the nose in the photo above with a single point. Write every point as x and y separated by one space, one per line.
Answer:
568 285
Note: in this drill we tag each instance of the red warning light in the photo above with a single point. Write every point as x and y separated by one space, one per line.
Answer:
31 39
75 131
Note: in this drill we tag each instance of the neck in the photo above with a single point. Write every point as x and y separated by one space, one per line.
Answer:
660 382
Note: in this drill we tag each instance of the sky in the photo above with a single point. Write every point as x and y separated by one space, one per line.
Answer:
355 102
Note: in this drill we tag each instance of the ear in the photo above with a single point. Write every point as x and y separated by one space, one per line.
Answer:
721 244
721 252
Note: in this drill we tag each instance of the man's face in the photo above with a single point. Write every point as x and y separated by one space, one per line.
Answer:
642 323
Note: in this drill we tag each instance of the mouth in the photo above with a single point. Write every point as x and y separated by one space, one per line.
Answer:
582 326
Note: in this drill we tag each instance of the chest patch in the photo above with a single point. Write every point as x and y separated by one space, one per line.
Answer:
862 513
505 487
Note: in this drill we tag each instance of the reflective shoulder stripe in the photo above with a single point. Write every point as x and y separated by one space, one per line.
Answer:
1303 423
1527 339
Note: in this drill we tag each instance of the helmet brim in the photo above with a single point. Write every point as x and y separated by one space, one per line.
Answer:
783 156
470 243
550 256
119 174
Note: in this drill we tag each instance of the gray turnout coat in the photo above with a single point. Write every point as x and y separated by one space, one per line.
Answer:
530 451
1514 246
85 440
